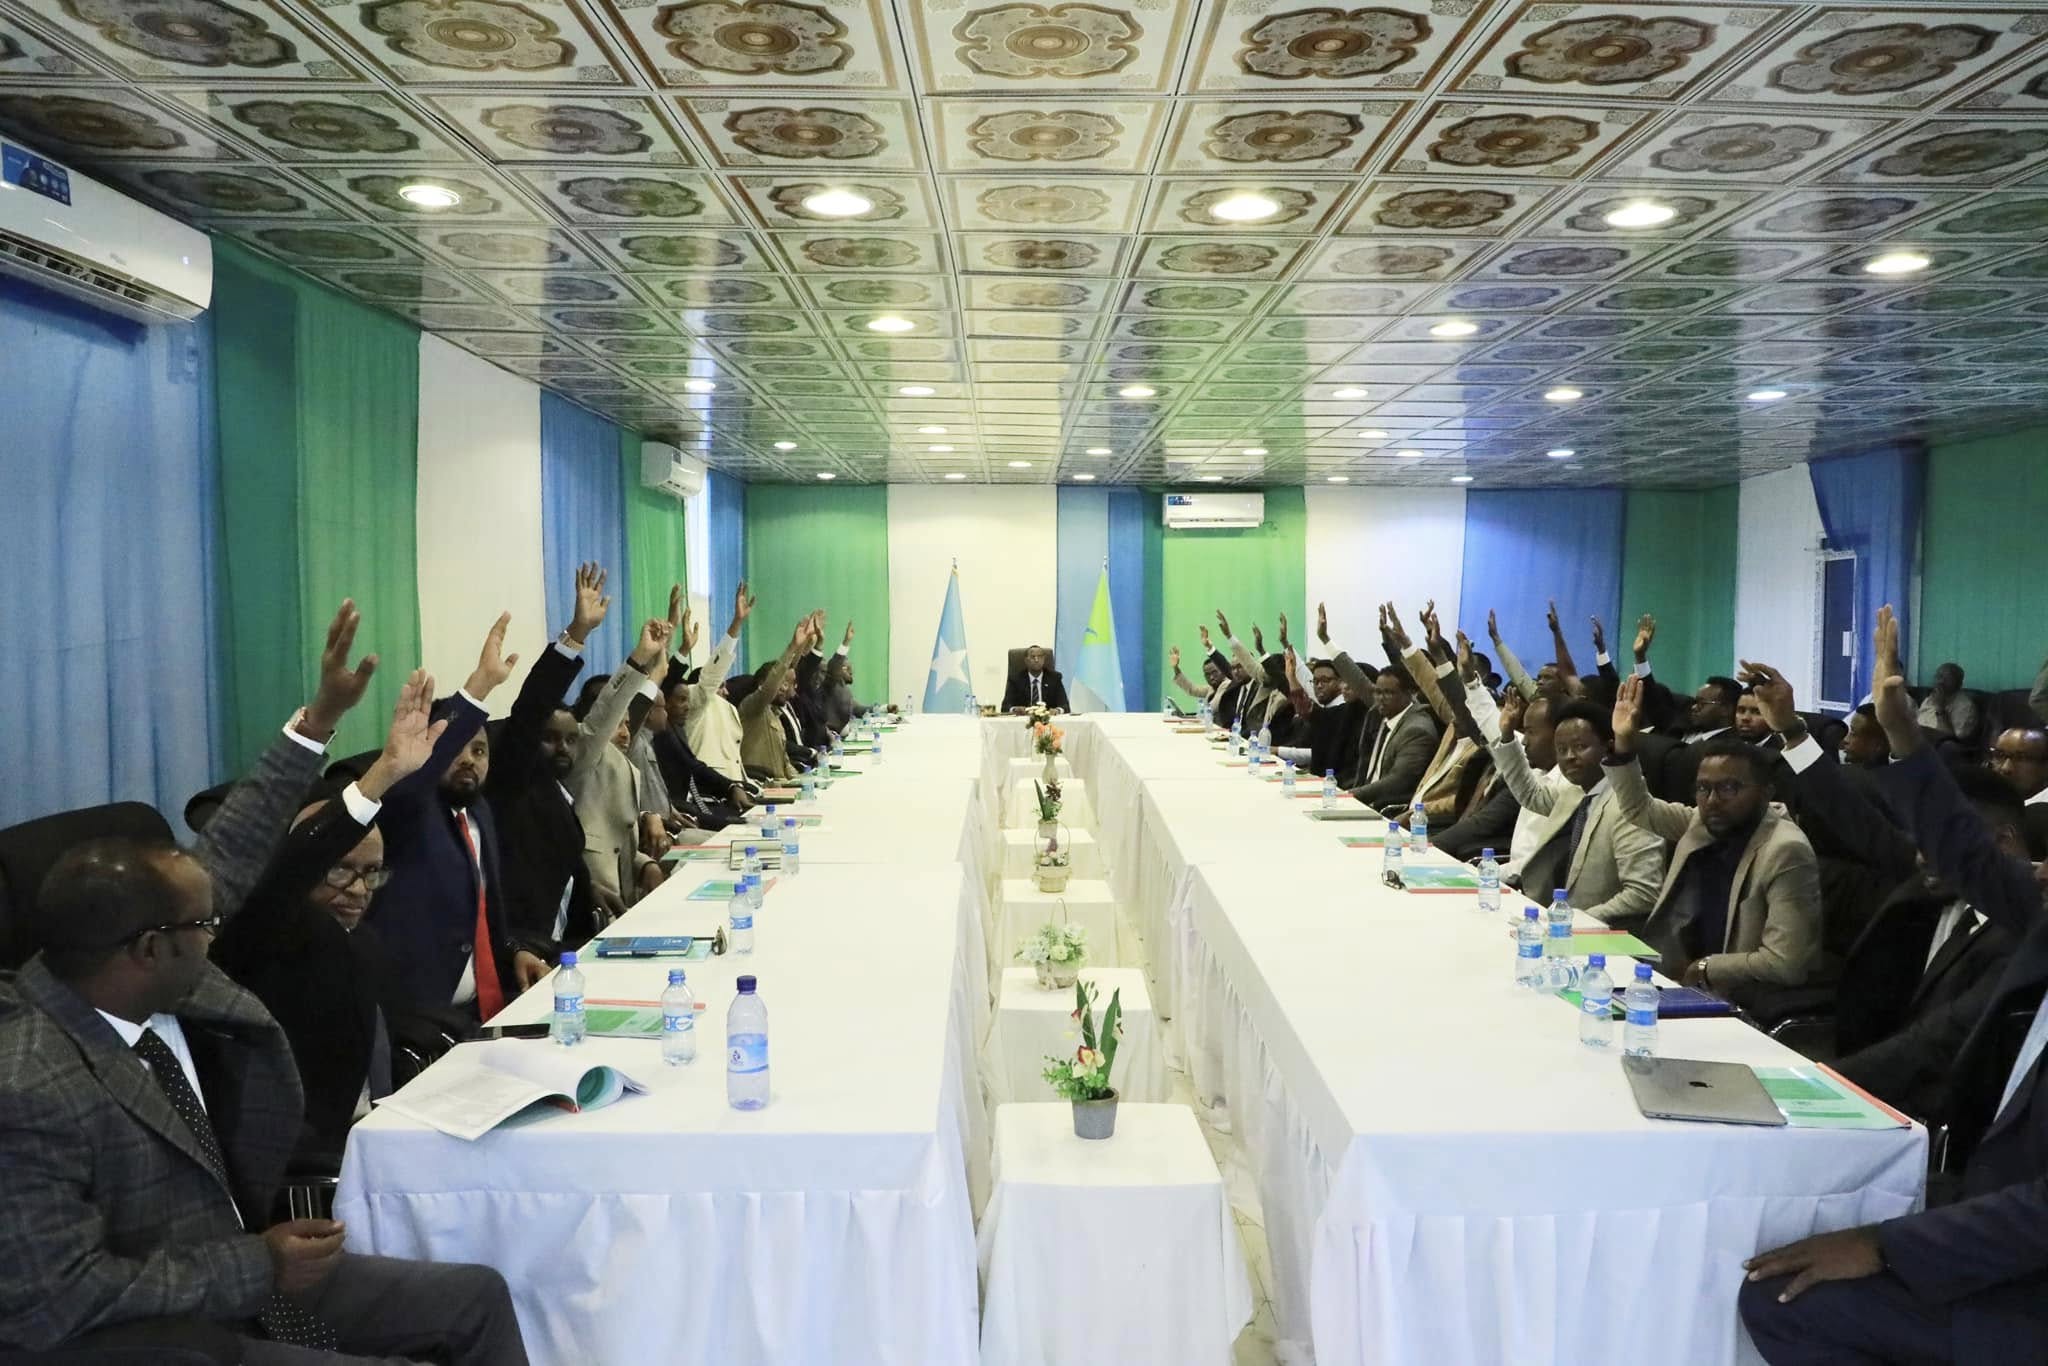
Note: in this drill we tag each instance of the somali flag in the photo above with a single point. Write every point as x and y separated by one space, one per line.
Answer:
1098 677
946 687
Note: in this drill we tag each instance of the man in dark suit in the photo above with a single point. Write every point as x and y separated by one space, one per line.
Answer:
1713 712
1035 685
1401 751
2020 756
1965 1282
148 1106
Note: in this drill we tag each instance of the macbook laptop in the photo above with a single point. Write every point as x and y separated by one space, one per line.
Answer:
1710 1092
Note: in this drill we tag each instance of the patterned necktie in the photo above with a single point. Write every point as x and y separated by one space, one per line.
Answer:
284 1321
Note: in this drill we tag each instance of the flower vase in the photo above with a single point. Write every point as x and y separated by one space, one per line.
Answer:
1095 1118
1052 877
1056 976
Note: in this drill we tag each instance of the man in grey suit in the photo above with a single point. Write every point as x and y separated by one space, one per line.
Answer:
148 1106
1607 866
1389 772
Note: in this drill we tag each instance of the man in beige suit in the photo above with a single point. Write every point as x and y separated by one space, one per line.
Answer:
1740 908
764 746
1607 866
602 781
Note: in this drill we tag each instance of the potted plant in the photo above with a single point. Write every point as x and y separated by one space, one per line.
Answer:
1084 1078
1055 954
1049 800
1053 867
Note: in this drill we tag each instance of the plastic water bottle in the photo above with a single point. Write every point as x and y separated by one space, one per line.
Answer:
875 753
1596 1005
567 1026
1390 852
1529 950
1329 789
1418 828
1254 757
838 747
809 785
1237 736
757 890
678 1021
790 850
1639 1030
771 825
1167 710
752 866
1287 777
746 1049
1265 739
739 935
1208 717
1557 933
1489 883
973 707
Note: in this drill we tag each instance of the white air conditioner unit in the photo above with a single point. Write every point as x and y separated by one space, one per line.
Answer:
75 236
1207 511
668 470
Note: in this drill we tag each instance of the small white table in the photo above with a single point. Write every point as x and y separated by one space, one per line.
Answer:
1076 811
1120 1250
1020 908
1033 766
1021 849
1032 1024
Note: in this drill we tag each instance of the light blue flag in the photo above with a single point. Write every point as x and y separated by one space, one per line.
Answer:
1098 677
946 688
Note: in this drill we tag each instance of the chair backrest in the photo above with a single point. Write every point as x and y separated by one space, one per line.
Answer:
28 850
1017 653
2001 711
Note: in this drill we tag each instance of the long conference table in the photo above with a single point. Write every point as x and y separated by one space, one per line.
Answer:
1445 1175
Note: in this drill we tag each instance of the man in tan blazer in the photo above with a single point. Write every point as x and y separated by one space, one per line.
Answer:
764 746
1740 907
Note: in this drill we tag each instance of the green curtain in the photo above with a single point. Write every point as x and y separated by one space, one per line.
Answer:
816 547
1678 563
1983 560
319 433
1253 574
654 541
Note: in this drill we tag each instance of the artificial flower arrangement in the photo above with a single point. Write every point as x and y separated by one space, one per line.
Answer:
1084 1078
1038 717
1055 953
1053 867
1049 801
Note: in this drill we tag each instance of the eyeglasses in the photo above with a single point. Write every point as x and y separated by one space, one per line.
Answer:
1727 789
340 876
211 925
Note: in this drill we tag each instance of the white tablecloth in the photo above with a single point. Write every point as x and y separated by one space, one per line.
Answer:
1120 1250
1032 1024
1021 908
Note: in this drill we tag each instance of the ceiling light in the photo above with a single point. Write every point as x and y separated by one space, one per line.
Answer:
1372 434
827 474
1561 453
1897 263
1409 455
931 431
838 203
1254 450
956 477
1765 395
938 448
889 322
1563 393
429 196
1136 391
1244 208
1212 478
917 391
1338 479
1461 479
700 386
1641 213
785 445
1020 464
1454 327
1098 450
1353 392
1084 478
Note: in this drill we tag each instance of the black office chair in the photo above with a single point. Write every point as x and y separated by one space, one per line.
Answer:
29 850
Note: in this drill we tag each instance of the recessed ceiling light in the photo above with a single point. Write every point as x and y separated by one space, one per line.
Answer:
956 477
827 474
838 203
1461 479
1254 450
1765 395
1409 455
785 445
1098 450
1561 453
1641 213
1084 478
917 391
1020 464
1563 393
1136 391
700 386
931 431
938 448
1372 434
426 196
1454 327
1212 478
1352 392
1338 479
889 322
1897 263
1244 208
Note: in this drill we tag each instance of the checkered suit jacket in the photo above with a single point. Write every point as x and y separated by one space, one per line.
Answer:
108 1211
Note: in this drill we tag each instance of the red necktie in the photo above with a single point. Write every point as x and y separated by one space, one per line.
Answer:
490 997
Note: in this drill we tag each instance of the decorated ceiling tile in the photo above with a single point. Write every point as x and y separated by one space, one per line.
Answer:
1215 258
492 246
498 345
204 40
661 250
296 124
1117 46
26 54
557 287
315 247
213 194
1744 261
2022 90
1501 296
856 250
825 135
481 195
1036 292
1760 147
2019 216
1541 141
504 42
411 284
1437 207
1393 259
1298 135
1882 58
860 294
1298 205
465 317
1531 259
775 44
542 127
103 124
1845 213
1052 253
782 201
1256 45
1661 53
1968 155
1042 137
1050 203
626 195
1694 209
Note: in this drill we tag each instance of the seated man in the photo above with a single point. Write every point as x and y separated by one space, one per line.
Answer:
839 703
1606 865
602 780
764 743
1214 676
2020 756
1740 908
1947 710
1034 685
712 724
148 1106
1750 722
700 792
1401 751
1712 713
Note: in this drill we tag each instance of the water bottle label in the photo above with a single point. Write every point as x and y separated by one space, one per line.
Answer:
1561 930
743 921
568 1005
679 1022
1529 950
746 1053
1596 1005
1645 1018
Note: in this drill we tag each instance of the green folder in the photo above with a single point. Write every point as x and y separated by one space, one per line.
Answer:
1812 1099
1440 879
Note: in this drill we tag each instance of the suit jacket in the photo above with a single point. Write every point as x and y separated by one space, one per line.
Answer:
1053 689
543 839
1332 736
1616 870
109 1211
762 744
1771 936
713 726
606 787
1403 759
1986 1256
1488 823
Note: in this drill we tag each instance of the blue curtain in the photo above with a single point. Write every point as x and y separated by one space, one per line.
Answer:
583 517
1524 547
727 513
108 675
1870 504
1128 510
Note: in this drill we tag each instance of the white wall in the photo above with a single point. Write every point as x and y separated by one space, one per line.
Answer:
1007 543
1367 546
1777 594
479 517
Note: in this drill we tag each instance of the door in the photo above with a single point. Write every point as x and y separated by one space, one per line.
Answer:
1839 686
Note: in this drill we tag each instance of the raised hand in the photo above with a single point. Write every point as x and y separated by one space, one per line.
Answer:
688 642
1599 637
340 687
1284 646
1885 645
1467 669
1511 709
1431 630
591 602
847 639
1895 711
1646 631
1628 711
1550 618
410 741
1258 640
653 645
677 611
1493 626
1223 623
493 665
1323 624
742 604
1396 630
1173 657
1774 695
1207 648
1293 674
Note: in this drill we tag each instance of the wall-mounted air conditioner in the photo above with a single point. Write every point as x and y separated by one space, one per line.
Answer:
1207 511
668 470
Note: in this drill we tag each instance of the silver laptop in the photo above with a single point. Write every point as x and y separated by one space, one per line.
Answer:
1712 1092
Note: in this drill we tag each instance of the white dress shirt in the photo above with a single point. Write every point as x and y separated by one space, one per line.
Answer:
171 1032
1957 917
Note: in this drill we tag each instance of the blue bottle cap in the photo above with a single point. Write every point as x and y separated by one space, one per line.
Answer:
747 985
789 822
753 850
1597 960
569 959
1642 972
1528 912
675 977
1393 826
1486 853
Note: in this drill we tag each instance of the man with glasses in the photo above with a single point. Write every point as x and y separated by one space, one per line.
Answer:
1740 908
2020 756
